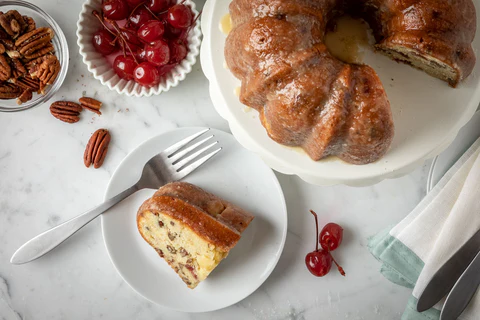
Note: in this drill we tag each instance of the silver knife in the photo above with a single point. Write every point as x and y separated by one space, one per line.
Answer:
462 292
445 278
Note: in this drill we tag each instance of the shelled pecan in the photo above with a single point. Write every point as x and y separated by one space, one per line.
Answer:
47 71
66 111
5 69
91 104
18 69
31 25
27 56
9 91
97 148
13 23
28 82
34 40
25 96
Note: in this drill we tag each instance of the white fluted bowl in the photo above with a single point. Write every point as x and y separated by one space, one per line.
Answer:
103 71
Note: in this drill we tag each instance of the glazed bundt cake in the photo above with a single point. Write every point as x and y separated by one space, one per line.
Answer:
306 97
191 229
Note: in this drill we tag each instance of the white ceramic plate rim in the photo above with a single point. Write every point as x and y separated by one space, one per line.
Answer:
130 88
278 254
362 177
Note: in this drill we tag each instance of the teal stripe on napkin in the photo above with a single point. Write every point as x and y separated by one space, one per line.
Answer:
401 266
412 314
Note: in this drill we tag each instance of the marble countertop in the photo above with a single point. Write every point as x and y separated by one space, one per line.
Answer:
43 182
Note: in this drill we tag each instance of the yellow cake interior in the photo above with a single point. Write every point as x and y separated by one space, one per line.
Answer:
190 255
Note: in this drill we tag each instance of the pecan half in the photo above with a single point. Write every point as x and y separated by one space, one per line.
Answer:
34 40
2 48
18 69
91 104
47 71
42 88
31 25
5 69
25 96
9 91
66 111
48 48
28 83
13 23
97 148
5 36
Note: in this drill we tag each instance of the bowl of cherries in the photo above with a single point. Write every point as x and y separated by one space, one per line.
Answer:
139 47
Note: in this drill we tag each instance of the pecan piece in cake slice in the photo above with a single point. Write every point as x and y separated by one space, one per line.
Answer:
13 23
34 40
5 69
97 148
9 91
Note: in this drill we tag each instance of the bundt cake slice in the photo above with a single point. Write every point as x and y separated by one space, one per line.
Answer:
191 229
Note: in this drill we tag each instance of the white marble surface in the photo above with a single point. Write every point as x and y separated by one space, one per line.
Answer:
43 181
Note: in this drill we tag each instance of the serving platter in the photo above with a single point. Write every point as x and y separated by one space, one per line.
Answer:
428 114
443 162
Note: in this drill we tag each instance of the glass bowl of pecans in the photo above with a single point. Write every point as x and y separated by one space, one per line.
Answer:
33 56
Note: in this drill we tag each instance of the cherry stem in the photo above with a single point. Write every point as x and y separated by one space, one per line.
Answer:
135 9
100 18
316 228
340 269
125 43
153 14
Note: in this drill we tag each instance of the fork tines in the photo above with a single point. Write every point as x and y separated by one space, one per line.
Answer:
181 155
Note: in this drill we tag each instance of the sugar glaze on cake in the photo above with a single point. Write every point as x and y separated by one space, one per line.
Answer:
308 98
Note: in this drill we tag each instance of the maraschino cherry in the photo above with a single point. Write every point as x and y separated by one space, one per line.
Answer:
146 74
152 37
331 236
104 42
319 262
115 9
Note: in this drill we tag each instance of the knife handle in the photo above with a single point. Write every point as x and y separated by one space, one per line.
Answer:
462 292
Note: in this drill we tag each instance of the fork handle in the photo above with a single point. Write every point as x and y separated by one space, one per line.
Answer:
50 239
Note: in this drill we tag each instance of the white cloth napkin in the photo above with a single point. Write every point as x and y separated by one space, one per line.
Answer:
443 222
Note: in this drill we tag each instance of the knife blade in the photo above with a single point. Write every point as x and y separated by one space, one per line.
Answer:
463 291
444 279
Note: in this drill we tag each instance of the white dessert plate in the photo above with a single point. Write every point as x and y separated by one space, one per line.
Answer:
443 162
234 174
428 113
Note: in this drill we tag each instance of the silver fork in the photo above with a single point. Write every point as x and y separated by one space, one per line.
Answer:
172 164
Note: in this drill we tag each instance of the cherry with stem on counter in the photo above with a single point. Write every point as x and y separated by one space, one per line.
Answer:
319 262
331 236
